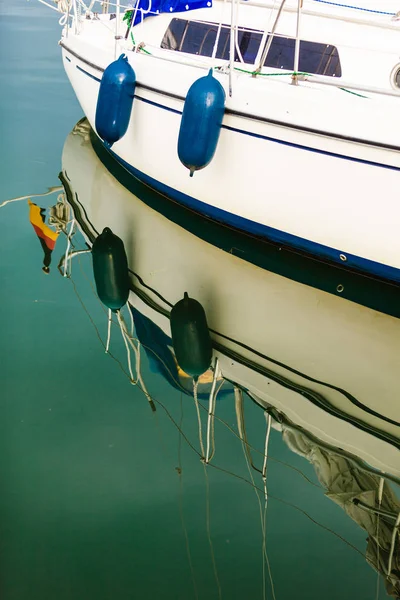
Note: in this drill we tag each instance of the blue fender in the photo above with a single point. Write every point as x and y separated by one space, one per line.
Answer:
201 123
115 100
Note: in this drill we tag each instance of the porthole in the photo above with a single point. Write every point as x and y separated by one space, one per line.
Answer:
395 78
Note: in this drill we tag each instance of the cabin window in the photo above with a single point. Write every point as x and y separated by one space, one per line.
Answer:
199 37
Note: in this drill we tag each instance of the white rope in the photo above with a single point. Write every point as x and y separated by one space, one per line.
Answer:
63 5
131 319
51 190
380 495
264 468
128 352
49 5
211 409
136 349
109 330
72 255
264 477
196 401
69 237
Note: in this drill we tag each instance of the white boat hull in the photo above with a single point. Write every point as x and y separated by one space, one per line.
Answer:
322 195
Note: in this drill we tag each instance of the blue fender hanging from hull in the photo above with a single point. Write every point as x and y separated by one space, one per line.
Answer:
201 123
115 99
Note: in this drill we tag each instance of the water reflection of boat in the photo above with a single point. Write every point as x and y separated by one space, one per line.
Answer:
329 366
327 370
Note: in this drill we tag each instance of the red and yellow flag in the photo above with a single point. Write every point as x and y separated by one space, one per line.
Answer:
42 230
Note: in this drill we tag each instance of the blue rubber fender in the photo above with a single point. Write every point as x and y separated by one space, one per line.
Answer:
115 100
201 122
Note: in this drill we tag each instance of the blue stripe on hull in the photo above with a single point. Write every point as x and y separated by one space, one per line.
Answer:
264 137
269 233
264 231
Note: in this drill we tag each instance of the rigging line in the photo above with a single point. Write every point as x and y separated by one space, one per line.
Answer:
221 420
50 190
277 460
185 532
208 525
197 452
96 329
165 409
193 447
287 503
128 352
380 495
236 476
240 423
264 476
263 514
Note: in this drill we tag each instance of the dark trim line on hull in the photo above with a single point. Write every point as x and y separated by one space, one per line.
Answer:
87 73
368 291
276 236
336 136
275 140
314 397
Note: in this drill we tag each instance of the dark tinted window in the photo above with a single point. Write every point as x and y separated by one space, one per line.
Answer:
321 59
195 37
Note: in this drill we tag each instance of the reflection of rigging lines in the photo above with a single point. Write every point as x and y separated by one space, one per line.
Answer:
50 190
245 444
212 464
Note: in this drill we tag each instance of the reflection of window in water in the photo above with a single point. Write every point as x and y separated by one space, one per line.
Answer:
48 233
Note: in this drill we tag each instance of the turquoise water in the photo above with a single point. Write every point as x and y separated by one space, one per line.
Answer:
101 498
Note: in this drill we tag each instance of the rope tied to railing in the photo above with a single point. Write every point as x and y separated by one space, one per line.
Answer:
63 5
